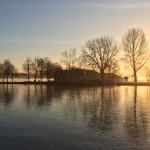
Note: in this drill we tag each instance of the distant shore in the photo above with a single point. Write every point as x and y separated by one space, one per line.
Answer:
80 83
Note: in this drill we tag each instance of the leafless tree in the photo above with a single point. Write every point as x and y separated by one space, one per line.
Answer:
69 58
83 63
48 68
1 71
13 70
34 68
101 53
135 49
57 67
40 65
28 66
8 69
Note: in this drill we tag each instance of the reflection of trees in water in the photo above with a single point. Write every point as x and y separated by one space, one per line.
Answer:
39 95
8 94
71 98
102 113
97 105
136 124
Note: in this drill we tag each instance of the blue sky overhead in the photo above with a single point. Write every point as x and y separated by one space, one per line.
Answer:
48 27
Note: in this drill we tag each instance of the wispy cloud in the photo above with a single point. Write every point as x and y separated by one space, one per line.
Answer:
38 42
140 5
135 5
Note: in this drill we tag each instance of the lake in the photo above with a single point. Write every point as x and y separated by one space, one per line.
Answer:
74 118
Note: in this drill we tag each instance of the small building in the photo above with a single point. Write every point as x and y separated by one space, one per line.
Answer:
111 77
76 75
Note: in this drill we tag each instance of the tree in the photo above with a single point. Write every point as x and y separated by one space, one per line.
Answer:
84 63
48 68
70 58
8 69
114 67
56 67
100 52
34 68
28 66
135 49
13 70
40 65
1 71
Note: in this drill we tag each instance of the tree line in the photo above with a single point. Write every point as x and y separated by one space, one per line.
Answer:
101 53
39 67
104 54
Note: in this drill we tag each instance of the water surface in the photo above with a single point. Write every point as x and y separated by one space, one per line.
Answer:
72 118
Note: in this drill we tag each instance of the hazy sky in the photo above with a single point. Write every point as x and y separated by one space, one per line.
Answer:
48 27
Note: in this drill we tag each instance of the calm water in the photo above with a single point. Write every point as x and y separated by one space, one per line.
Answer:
61 118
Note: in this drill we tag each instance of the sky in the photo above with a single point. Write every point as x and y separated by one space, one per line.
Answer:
46 28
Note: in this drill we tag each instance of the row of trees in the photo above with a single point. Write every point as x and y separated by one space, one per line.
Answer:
104 53
40 67
7 69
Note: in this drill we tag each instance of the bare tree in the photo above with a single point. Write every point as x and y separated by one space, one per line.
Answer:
40 65
114 67
34 67
56 67
28 66
48 68
2 71
69 58
13 70
100 52
84 63
135 49
8 69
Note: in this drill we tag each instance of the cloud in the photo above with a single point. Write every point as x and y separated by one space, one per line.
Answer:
134 5
38 42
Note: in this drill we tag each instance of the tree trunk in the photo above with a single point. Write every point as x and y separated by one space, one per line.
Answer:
12 78
7 79
135 76
41 75
102 75
35 77
3 78
28 73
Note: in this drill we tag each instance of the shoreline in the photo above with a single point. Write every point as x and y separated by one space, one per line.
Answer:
79 83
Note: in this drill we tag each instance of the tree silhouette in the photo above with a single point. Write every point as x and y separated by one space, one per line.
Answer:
100 52
28 66
135 49
7 69
70 58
